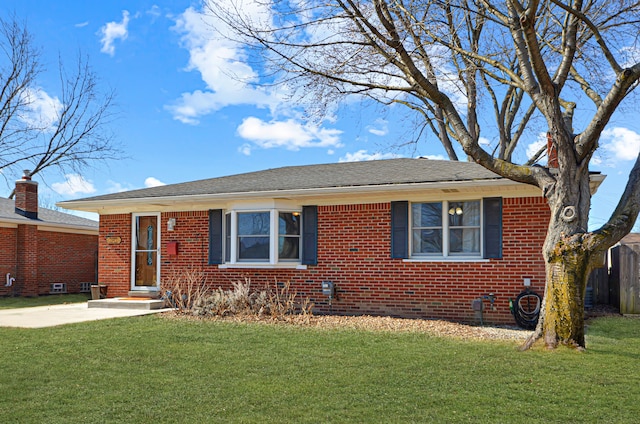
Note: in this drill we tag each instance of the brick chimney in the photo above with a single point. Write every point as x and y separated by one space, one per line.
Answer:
27 196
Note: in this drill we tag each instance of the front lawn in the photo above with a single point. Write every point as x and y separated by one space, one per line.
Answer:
154 369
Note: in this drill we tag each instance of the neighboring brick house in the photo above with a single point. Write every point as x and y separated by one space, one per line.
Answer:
400 237
43 251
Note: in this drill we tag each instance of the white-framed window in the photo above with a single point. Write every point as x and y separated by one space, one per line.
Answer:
446 229
262 236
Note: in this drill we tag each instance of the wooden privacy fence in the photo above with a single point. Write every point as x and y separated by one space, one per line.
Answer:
624 278
599 290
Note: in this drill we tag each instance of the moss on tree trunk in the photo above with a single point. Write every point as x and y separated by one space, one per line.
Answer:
563 312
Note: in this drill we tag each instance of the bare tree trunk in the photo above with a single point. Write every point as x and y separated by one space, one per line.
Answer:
563 313
561 318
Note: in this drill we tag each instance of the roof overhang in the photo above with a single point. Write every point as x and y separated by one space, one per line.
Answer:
320 196
48 226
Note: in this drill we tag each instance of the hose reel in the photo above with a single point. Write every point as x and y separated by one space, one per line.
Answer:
526 309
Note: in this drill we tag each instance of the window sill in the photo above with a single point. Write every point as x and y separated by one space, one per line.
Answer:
257 265
449 259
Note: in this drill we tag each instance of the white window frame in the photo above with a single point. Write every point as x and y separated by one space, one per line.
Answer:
274 261
446 233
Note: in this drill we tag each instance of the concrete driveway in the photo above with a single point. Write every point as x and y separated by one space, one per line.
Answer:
52 315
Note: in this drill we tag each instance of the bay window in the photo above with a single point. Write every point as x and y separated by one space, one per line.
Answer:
267 236
289 236
253 232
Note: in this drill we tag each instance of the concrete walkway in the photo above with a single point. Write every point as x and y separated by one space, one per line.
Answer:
52 315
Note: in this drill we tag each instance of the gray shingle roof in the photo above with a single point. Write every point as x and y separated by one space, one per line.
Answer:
45 216
336 175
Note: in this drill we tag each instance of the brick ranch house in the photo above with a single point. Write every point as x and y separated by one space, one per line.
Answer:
402 237
43 251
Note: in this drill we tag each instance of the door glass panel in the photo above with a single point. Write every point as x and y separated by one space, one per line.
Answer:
146 251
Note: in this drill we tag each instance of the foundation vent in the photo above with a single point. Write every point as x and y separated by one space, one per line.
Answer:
57 288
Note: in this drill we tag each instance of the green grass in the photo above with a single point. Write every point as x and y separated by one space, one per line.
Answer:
54 299
151 369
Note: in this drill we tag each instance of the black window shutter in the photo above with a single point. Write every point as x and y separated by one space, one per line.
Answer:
310 235
400 229
215 237
492 211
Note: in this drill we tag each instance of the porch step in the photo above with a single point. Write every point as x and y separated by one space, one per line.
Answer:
151 294
137 302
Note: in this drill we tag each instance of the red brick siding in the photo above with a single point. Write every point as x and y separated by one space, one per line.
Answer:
66 258
192 235
45 257
114 253
26 273
8 258
354 253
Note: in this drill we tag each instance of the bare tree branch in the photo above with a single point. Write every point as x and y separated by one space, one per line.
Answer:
74 136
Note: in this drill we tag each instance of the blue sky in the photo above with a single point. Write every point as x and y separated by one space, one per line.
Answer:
182 116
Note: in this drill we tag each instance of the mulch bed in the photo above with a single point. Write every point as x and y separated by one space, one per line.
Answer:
374 323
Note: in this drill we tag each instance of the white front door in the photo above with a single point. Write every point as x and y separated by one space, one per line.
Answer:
145 269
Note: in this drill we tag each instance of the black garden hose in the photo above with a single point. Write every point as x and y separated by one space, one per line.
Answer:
526 309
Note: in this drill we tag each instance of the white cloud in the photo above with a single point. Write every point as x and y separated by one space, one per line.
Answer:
81 24
631 55
222 67
290 134
622 143
154 12
535 146
115 187
245 149
484 141
42 110
112 31
74 184
362 155
153 182
381 127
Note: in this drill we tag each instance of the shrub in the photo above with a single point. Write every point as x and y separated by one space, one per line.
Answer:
182 291
189 294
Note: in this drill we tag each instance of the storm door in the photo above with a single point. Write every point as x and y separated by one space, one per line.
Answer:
146 253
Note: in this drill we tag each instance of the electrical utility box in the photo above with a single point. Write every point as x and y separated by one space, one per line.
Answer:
477 305
328 288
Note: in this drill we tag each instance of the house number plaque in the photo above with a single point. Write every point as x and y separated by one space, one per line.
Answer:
114 240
